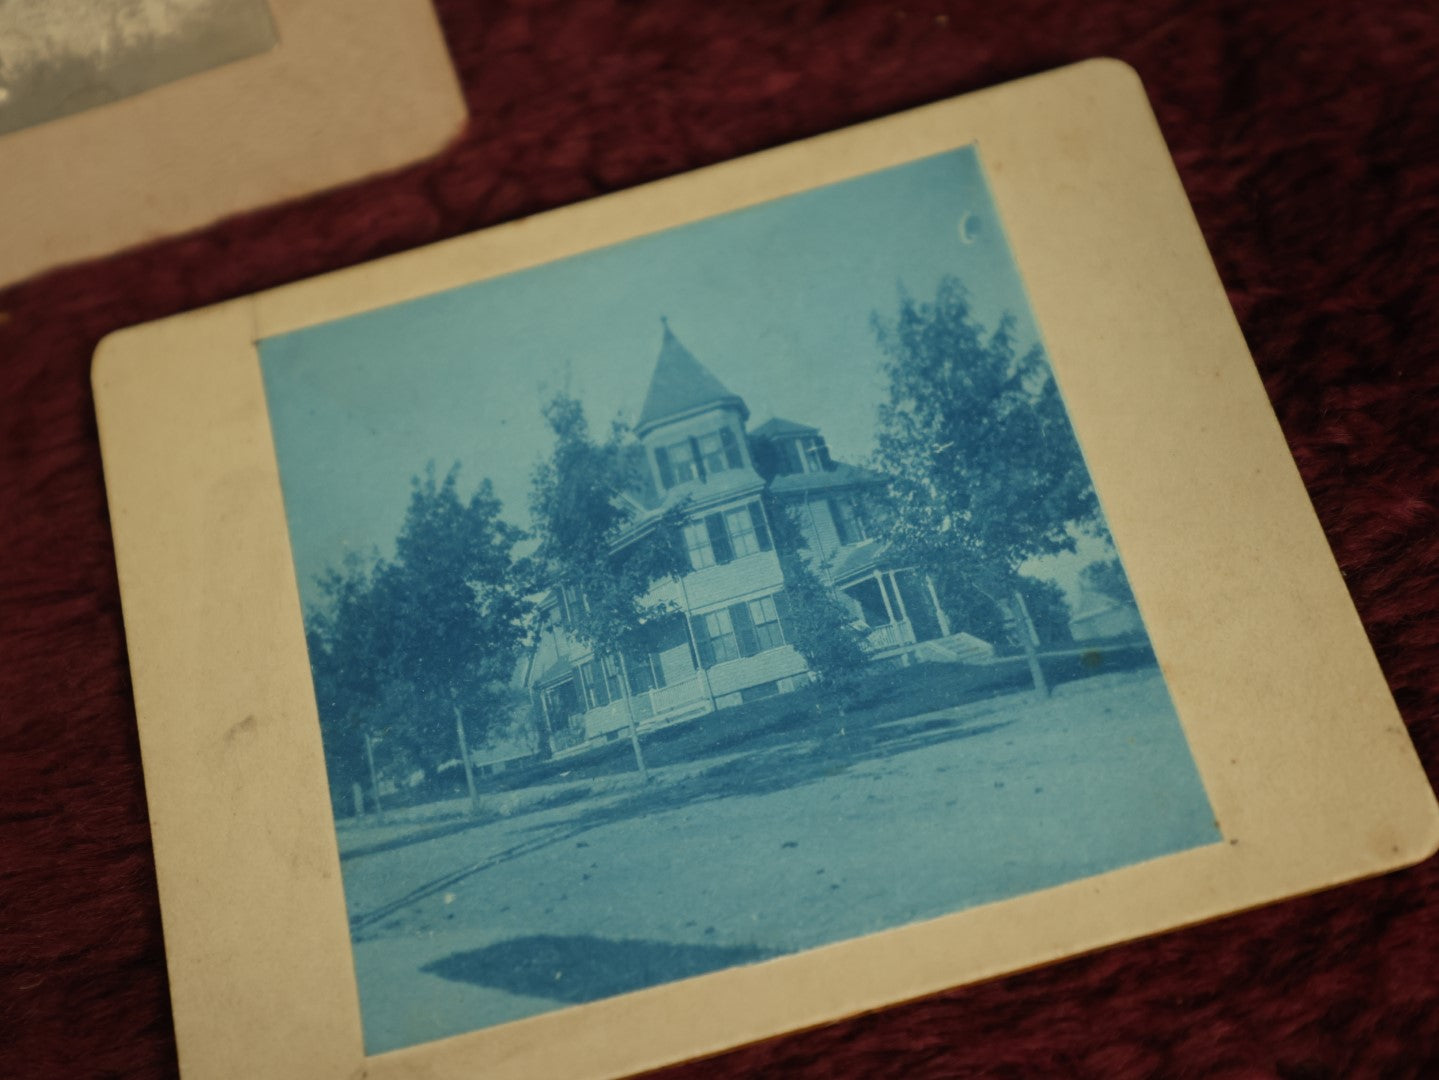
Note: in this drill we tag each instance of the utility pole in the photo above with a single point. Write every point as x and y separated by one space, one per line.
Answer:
374 777
465 759
1024 625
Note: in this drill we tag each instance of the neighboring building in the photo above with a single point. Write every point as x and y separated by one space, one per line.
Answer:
1097 616
729 640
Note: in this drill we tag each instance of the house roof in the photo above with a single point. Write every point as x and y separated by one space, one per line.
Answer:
779 428
841 475
555 672
681 386
858 560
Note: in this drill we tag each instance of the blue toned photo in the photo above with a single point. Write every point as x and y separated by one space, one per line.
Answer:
715 596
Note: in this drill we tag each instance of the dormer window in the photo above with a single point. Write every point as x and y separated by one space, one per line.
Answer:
807 454
816 453
698 457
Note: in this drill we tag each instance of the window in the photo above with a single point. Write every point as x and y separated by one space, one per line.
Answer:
594 687
790 460
696 458
742 629
716 637
849 523
765 617
678 463
816 454
611 667
712 452
742 536
697 540
645 671
719 538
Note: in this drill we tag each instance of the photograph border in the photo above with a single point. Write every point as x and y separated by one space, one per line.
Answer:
1303 754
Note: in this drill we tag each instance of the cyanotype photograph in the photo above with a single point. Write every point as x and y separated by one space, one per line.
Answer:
715 596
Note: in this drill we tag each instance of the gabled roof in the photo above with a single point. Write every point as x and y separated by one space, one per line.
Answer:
779 428
681 386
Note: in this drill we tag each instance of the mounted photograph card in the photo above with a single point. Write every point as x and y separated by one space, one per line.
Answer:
64 56
188 111
732 604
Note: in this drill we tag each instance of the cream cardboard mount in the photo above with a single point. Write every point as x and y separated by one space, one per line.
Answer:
1301 753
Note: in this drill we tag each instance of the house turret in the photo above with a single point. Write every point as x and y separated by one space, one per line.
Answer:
691 426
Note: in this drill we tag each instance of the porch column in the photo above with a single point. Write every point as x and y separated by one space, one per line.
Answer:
545 715
884 595
939 611
899 596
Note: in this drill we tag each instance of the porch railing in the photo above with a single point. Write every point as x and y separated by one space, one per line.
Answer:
891 636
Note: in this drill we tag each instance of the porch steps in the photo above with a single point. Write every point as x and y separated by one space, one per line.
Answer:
956 649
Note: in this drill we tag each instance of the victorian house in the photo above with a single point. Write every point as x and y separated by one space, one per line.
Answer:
729 638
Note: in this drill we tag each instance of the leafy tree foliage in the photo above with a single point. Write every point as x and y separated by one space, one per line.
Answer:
347 664
984 468
589 540
820 628
420 648
581 515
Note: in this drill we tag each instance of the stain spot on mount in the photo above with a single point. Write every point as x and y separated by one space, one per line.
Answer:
246 726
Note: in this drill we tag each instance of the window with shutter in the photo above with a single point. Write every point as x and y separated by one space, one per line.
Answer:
611 667
816 454
744 629
667 473
698 628
740 526
786 615
711 449
594 690
761 527
697 457
719 539
841 527
764 614
682 461
719 631
731 448
793 463
697 542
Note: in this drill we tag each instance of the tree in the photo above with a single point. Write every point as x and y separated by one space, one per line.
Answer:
984 470
453 606
819 627
590 542
348 662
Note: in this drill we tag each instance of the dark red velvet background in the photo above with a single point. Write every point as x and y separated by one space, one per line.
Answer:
1307 136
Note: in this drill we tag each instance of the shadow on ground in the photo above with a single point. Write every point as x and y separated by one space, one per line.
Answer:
579 968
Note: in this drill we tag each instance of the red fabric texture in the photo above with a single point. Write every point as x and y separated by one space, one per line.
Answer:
1307 137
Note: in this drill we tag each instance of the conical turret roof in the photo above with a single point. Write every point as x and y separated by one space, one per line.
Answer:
681 386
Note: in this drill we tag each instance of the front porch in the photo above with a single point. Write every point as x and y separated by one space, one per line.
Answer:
903 619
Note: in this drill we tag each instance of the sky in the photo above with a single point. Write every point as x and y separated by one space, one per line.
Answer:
776 300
